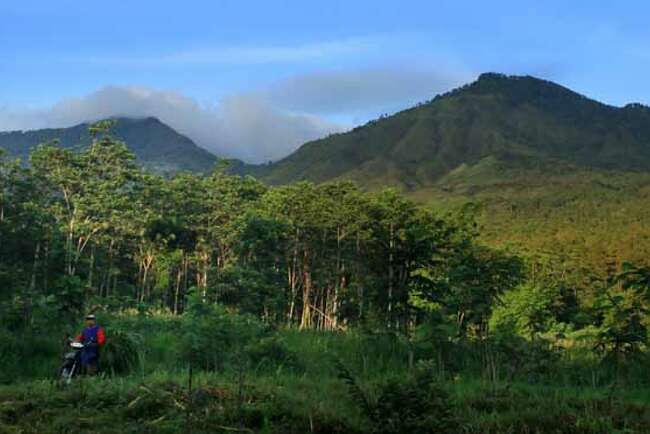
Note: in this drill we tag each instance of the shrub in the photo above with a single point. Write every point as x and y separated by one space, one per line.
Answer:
215 338
519 358
403 405
122 352
25 354
272 351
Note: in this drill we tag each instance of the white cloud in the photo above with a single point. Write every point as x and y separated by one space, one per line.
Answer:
362 90
262 125
268 133
245 127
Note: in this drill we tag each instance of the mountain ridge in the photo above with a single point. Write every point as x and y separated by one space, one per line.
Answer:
156 145
507 117
513 119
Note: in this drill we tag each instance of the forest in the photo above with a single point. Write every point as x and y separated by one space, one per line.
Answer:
233 306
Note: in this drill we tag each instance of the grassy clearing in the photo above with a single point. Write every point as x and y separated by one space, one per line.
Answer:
161 402
294 386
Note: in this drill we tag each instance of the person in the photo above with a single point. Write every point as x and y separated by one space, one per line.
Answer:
93 338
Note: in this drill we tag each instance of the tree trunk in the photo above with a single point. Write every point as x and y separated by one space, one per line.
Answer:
114 283
292 286
306 319
340 278
46 257
177 293
107 278
203 274
68 247
91 267
292 272
391 273
37 252
147 262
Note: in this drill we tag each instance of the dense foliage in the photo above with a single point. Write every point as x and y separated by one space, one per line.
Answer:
90 227
228 303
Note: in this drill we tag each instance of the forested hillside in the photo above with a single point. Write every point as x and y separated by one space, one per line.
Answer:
155 145
234 306
546 172
311 256
510 118
593 219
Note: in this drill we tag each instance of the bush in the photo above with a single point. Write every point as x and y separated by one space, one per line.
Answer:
403 405
518 358
9 355
214 338
122 352
273 351
26 354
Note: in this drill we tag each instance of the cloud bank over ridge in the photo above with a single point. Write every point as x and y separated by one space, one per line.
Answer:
262 125
240 126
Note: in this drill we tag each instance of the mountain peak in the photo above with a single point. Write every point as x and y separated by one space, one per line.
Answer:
135 120
498 77
525 85
494 76
155 144
515 119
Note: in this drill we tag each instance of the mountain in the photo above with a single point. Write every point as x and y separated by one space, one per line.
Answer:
497 121
156 145
543 170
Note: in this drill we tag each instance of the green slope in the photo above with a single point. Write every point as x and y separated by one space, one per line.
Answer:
547 171
156 145
508 118
587 220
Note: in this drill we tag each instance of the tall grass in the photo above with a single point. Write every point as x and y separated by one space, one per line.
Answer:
286 381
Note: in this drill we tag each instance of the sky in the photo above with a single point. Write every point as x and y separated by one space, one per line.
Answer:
256 79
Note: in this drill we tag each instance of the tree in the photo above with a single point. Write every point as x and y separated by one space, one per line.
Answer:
624 309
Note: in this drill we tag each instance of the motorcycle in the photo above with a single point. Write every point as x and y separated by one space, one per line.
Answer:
71 364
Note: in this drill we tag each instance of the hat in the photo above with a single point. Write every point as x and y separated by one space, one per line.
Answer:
91 316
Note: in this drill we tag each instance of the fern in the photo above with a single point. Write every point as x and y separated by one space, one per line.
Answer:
357 394
410 405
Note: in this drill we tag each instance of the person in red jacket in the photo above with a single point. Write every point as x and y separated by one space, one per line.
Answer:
93 338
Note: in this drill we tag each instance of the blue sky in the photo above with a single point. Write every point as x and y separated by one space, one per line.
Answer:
254 79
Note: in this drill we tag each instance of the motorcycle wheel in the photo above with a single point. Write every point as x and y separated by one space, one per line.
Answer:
65 375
